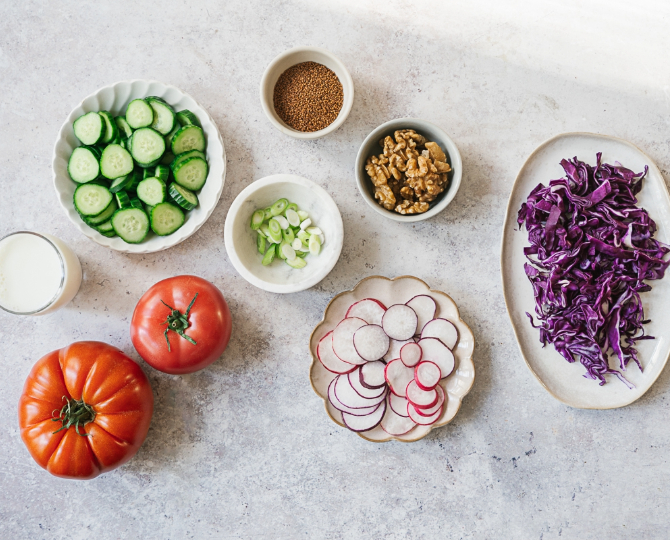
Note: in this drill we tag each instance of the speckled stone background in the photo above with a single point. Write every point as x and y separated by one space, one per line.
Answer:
244 448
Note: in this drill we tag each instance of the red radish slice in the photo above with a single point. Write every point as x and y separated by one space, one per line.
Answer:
372 375
397 425
399 322
437 352
367 393
421 399
343 340
365 423
348 397
410 354
394 349
443 330
420 419
371 342
398 404
440 401
398 376
325 354
425 307
341 407
427 375
369 309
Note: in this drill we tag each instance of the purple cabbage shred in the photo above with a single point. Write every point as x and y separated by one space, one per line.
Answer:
592 248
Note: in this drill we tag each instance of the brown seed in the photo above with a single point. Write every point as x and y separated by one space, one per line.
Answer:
308 97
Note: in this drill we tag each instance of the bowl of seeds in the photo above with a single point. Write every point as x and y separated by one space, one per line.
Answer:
306 92
408 169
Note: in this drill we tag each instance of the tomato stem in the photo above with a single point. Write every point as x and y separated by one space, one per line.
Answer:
74 413
178 323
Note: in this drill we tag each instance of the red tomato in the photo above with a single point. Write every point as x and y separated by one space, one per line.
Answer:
105 405
195 337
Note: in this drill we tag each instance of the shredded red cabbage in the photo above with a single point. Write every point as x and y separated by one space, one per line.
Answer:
591 249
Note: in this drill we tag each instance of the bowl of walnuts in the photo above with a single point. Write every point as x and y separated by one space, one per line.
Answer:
408 169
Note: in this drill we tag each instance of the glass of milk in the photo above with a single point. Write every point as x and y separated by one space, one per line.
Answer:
39 273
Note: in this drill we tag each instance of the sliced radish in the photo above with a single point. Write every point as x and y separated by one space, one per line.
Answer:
410 354
399 322
437 352
372 375
425 307
367 422
341 407
367 393
371 342
394 349
348 397
420 419
443 330
369 309
421 399
398 404
398 376
325 354
427 374
343 340
397 425
440 401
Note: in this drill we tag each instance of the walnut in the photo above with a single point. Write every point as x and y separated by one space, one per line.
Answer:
410 169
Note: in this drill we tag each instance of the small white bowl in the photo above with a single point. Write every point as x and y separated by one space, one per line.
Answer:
240 240
433 133
115 99
290 58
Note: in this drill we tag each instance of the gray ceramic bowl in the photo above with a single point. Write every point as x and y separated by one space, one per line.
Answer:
433 133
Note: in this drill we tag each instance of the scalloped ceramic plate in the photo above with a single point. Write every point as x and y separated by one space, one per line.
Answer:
395 291
115 99
561 379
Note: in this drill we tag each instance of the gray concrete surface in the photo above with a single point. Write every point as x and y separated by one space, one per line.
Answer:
244 449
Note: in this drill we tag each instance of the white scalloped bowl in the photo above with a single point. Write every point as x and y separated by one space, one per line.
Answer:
115 99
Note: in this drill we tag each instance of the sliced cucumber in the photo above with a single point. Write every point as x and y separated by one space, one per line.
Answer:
106 226
183 157
91 199
131 224
191 173
162 172
136 203
146 173
105 215
168 157
108 234
111 132
139 114
151 191
89 128
164 117
137 177
122 199
147 147
116 161
187 118
96 150
121 183
188 138
123 126
183 197
83 165
166 218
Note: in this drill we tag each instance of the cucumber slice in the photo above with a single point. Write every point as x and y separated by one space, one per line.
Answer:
146 173
136 203
131 224
151 191
83 165
191 173
122 199
137 176
121 183
257 219
115 161
297 263
147 147
164 117
166 218
139 114
188 138
162 172
105 215
111 132
260 243
187 118
89 128
279 207
182 157
91 199
96 150
269 255
108 234
168 157
106 226
123 126
183 197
